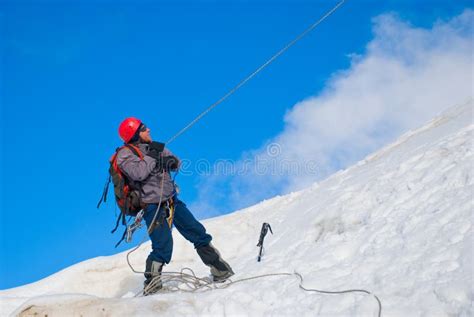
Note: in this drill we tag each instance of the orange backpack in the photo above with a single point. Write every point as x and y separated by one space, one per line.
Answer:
127 192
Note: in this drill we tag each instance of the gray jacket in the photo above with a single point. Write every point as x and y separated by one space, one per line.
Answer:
144 172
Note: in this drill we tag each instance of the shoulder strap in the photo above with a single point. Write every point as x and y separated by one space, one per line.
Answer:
135 150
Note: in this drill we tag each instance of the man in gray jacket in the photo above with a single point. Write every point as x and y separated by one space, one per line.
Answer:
162 206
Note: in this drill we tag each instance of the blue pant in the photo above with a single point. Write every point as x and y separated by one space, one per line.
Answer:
184 221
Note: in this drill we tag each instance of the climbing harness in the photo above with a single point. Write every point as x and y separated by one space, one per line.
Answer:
263 233
169 207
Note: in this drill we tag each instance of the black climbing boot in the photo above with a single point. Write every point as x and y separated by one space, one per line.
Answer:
220 269
152 282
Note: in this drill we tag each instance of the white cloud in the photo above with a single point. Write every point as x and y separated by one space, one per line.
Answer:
406 76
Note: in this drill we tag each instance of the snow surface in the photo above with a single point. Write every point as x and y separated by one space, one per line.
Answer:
398 223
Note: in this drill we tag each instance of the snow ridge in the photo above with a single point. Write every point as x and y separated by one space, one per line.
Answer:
398 223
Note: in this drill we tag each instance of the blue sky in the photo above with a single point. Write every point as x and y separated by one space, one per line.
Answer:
71 71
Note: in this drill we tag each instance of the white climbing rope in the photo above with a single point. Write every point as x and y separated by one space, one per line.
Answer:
190 283
258 70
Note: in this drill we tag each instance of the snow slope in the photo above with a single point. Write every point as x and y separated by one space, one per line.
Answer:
398 223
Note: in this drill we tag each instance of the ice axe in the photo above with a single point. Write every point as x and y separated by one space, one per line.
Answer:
263 233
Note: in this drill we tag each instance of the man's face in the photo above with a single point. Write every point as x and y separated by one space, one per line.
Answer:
145 135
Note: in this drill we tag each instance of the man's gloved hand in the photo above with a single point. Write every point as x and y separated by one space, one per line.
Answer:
169 163
155 149
163 163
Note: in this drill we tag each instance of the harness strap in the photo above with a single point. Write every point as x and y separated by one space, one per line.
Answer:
124 222
103 198
123 238
125 211
135 150
170 206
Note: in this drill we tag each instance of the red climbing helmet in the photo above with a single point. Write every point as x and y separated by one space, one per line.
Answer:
128 128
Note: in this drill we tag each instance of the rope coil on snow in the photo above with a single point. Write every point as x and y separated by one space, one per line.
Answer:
194 284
